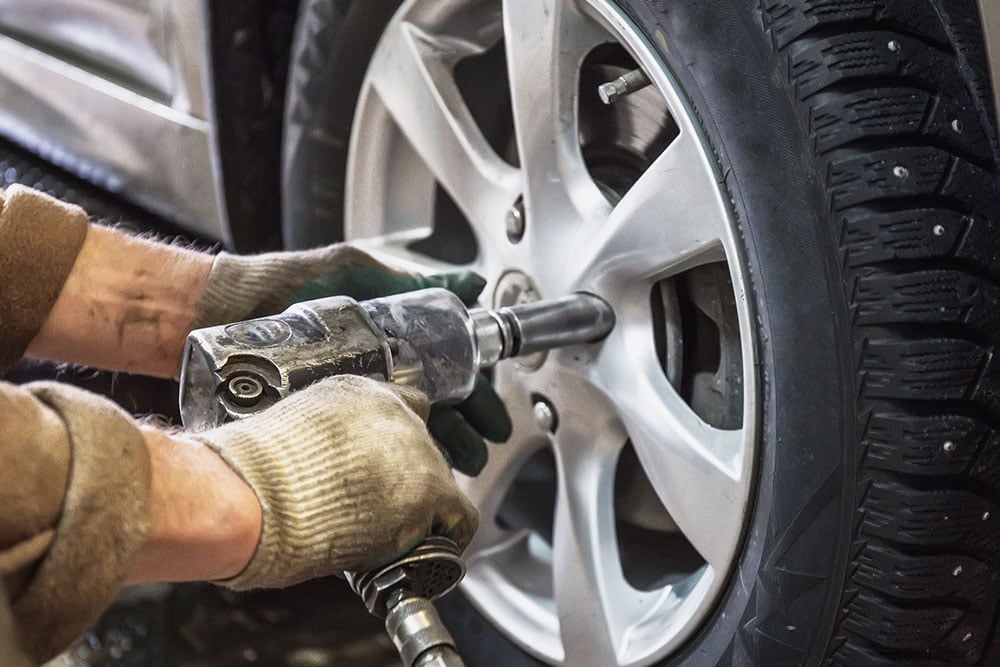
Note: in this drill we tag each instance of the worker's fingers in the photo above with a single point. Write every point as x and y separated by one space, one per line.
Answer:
466 285
464 448
368 282
358 282
485 412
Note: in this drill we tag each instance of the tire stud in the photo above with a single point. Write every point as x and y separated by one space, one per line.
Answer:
612 91
893 46
986 516
948 446
900 172
956 126
957 571
939 230
967 637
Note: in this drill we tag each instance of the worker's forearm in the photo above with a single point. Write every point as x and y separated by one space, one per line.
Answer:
127 305
205 521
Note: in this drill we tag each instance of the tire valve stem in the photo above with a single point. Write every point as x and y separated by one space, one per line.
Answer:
628 83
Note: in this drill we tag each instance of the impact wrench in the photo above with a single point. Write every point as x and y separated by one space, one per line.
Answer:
428 340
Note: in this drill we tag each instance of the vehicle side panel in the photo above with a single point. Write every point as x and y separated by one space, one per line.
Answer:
117 91
124 40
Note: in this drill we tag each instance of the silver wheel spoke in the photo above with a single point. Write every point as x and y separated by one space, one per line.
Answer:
546 41
487 490
415 84
589 587
696 469
670 220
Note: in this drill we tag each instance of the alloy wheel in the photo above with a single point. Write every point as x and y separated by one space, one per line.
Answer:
611 520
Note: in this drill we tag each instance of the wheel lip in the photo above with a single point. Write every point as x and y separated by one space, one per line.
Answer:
622 28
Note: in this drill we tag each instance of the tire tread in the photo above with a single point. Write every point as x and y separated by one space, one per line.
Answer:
895 101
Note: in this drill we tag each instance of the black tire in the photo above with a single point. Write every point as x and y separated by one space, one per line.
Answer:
334 40
859 148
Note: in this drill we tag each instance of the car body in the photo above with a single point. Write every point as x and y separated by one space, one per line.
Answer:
117 92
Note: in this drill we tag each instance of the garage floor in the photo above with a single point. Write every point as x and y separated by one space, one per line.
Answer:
315 624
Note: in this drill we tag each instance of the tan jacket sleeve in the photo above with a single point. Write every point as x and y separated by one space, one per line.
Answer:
74 491
40 238
11 653
74 470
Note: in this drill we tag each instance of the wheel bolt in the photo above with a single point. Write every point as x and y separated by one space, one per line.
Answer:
623 86
514 220
545 415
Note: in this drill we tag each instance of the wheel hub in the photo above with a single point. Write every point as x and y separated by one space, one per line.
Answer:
514 288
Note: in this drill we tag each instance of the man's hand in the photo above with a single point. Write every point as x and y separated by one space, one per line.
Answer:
242 287
348 479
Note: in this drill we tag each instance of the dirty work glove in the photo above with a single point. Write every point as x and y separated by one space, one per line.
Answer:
461 430
348 479
242 287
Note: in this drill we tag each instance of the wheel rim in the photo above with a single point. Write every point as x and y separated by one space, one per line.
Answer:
565 594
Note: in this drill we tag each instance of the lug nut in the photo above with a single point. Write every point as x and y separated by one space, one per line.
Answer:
623 86
514 220
545 415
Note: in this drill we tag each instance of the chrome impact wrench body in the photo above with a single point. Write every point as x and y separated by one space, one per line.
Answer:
428 340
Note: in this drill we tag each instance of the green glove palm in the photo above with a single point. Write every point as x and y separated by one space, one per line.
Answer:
461 430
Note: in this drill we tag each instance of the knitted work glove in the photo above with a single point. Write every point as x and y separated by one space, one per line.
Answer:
462 430
242 287
348 479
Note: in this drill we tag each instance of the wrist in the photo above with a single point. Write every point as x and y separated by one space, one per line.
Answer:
205 521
